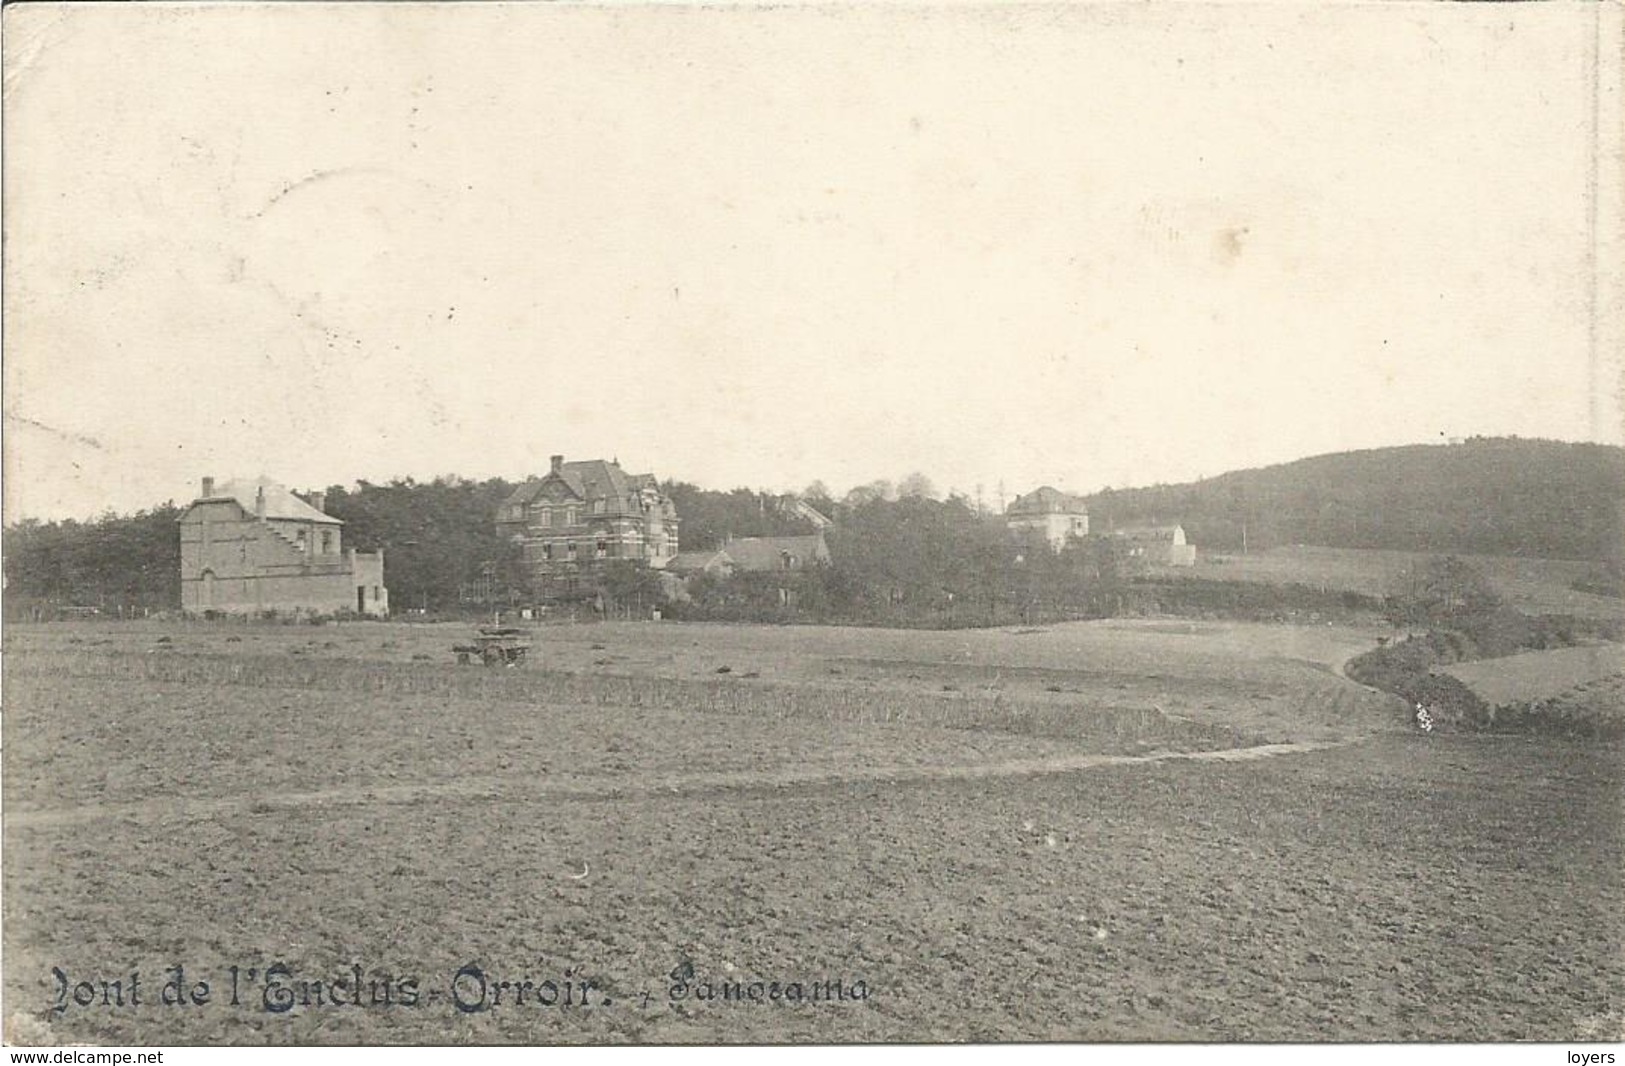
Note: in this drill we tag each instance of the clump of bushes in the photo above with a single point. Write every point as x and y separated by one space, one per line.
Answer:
1468 620
1406 669
1248 601
1504 631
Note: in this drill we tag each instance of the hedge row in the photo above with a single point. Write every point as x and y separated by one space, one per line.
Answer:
1407 669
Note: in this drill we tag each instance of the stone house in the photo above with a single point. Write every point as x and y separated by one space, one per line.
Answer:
250 546
583 515
1049 512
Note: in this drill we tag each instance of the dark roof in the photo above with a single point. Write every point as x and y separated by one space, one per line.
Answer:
588 480
768 553
1046 501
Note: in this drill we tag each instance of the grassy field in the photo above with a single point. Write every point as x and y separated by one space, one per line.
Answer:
1105 831
1536 586
1536 675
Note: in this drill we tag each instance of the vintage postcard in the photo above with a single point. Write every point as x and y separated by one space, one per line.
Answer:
813 523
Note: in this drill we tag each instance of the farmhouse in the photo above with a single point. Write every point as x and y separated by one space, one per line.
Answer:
1050 512
1158 545
583 515
250 545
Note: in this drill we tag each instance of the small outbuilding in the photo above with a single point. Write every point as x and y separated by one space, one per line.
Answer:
1158 545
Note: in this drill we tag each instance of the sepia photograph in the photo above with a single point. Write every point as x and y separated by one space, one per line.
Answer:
824 523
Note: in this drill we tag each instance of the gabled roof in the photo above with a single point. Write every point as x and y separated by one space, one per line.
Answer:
279 502
768 553
805 510
1047 501
587 480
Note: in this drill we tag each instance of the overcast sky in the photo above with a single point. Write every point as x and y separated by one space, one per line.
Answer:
1077 245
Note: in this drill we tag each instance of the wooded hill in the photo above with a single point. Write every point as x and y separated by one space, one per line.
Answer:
1486 496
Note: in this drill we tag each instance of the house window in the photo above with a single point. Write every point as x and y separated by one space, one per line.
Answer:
570 551
547 552
598 505
375 593
569 516
602 550
300 537
327 542
546 517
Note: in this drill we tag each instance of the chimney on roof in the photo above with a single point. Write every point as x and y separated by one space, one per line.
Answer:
259 503
208 487
318 500
558 463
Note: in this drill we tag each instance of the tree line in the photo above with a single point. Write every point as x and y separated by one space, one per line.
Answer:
439 538
902 553
894 556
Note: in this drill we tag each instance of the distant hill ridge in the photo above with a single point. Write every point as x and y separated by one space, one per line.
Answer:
1487 495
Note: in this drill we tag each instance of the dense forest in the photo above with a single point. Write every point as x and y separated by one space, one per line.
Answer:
900 552
1486 496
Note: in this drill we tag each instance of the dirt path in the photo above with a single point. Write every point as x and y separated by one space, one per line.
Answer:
600 787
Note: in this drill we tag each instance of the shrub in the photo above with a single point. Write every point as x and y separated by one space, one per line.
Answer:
1406 670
